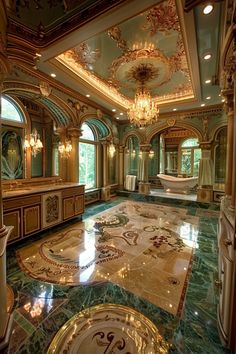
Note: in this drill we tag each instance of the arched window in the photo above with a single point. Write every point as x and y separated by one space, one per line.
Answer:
87 157
12 119
10 111
190 155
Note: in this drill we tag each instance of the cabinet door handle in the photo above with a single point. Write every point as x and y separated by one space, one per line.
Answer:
218 284
228 243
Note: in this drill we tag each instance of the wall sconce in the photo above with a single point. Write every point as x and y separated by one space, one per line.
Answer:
65 149
111 149
133 153
151 154
34 142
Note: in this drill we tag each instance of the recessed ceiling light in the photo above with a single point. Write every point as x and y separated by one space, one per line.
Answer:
208 9
207 81
113 110
207 56
38 55
208 98
53 75
203 104
117 117
88 95
174 109
223 100
121 114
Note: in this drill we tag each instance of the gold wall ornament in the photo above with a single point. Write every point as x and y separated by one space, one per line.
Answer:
99 113
45 88
171 122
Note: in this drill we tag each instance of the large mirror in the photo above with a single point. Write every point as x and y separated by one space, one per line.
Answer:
20 118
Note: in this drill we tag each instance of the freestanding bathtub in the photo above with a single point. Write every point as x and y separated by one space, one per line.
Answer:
177 184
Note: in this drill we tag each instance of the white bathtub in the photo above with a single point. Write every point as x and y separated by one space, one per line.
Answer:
177 184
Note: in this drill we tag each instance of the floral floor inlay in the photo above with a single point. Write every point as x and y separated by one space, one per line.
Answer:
144 248
108 329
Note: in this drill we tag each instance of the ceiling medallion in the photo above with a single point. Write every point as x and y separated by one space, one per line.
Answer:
144 110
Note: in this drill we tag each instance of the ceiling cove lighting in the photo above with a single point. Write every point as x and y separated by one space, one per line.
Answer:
208 9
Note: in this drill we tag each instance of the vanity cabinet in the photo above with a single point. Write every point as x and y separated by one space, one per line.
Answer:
73 202
225 282
38 209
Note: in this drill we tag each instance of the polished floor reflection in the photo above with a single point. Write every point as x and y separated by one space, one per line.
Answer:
146 249
41 307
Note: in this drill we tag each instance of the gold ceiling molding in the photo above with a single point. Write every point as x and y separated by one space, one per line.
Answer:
93 80
162 18
115 34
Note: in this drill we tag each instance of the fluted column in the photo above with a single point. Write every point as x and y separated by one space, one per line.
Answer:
144 185
105 187
73 160
233 200
121 167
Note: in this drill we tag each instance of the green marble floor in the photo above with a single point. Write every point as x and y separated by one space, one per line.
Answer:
40 308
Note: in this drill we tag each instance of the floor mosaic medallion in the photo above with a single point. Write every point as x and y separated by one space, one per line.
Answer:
144 248
108 329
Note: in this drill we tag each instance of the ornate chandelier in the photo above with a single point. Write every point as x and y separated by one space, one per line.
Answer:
34 142
144 110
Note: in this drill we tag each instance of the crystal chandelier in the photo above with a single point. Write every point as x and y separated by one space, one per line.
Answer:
34 142
144 110
65 149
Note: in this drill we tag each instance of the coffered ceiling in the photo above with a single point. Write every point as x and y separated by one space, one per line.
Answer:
107 55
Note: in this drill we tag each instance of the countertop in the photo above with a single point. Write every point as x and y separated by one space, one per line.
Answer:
25 190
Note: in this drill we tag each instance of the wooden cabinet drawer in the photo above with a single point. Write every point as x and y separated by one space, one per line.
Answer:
12 218
19 202
69 192
31 217
68 208
79 204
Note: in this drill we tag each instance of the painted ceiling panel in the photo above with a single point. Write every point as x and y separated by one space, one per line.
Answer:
147 49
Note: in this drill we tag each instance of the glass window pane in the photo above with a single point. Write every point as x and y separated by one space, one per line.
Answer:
87 165
190 142
87 133
186 161
9 111
196 161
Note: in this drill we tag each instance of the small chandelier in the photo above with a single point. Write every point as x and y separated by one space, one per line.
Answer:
112 149
144 110
34 142
65 149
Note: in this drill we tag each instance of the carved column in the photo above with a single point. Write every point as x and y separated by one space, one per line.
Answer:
121 168
205 176
106 190
5 317
144 185
230 137
73 160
